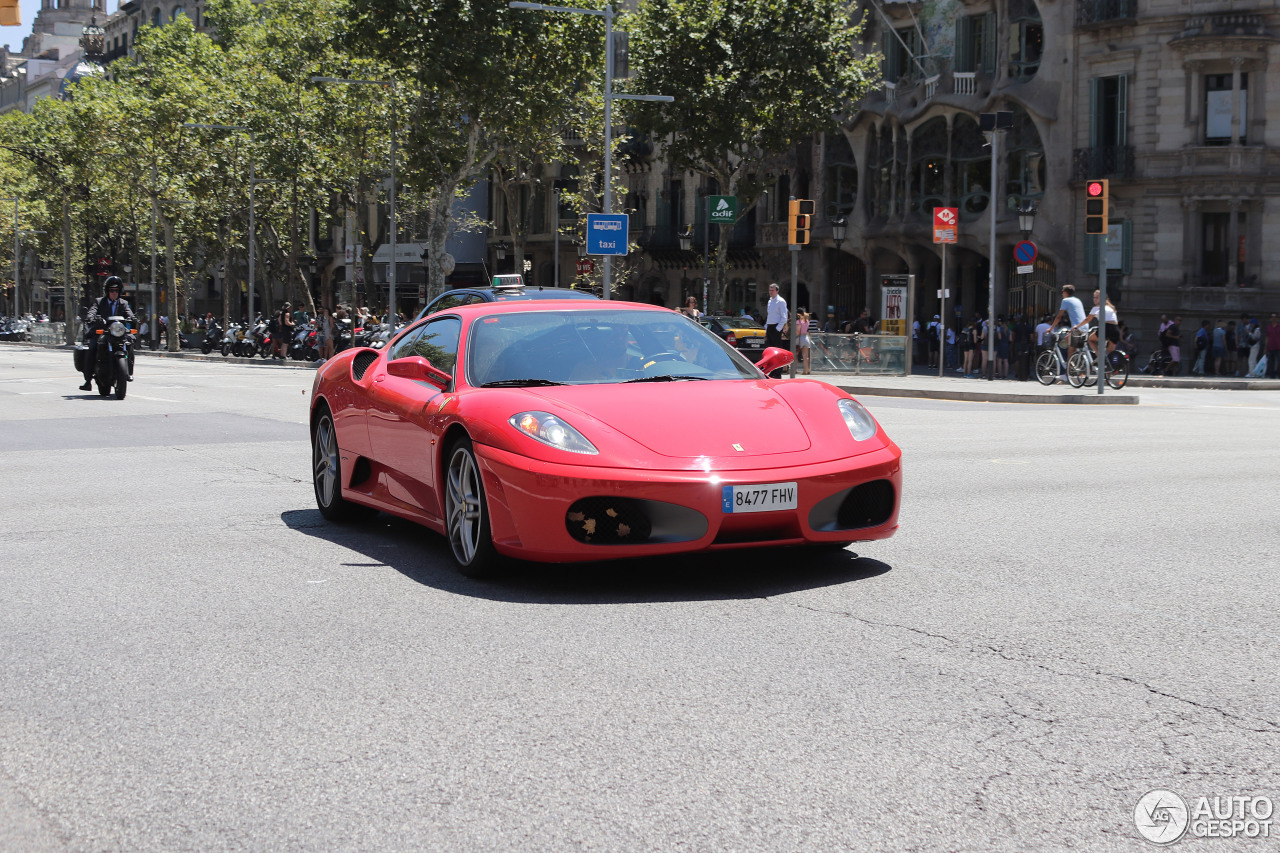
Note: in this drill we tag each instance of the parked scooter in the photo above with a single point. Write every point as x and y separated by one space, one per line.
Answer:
212 338
342 335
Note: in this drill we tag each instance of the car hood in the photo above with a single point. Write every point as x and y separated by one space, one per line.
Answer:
684 420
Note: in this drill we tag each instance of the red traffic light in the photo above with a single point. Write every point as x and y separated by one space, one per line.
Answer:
1095 188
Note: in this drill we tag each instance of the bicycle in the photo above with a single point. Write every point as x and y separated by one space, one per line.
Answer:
1081 369
1050 364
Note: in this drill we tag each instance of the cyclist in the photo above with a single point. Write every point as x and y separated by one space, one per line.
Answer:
1112 324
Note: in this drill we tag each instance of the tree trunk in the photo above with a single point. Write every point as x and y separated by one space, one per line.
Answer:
171 283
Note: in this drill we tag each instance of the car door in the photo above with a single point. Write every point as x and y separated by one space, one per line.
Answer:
401 422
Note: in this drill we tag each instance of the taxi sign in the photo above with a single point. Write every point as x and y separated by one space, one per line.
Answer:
508 281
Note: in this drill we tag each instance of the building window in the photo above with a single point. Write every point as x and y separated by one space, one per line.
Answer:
1217 108
976 43
1217 253
842 175
900 47
178 10
1026 39
155 17
929 167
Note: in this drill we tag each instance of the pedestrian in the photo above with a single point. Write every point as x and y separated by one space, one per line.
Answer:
1001 331
1173 337
776 318
1233 348
966 349
690 309
980 332
1202 339
1218 352
933 334
1273 347
802 338
1255 346
284 332
324 334
952 339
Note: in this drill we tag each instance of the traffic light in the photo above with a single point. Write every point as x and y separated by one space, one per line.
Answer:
1095 207
799 220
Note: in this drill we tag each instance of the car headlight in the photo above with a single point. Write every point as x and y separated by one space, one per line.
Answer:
552 431
859 421
116 329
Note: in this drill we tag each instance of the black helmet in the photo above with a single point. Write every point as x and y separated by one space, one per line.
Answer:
112 282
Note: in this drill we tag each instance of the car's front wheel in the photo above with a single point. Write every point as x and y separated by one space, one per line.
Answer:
467 514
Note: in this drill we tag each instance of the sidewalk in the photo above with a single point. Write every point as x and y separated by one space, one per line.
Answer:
926 383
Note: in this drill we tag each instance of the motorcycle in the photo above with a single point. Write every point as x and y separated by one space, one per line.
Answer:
303 346
113 365
343 336
212 338
253 340
230 341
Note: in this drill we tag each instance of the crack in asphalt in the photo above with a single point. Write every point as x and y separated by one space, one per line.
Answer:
1260 726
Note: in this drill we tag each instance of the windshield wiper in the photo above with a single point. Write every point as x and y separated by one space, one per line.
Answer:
663 377
519 383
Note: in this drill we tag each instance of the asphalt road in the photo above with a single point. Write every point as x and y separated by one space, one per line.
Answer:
1081 606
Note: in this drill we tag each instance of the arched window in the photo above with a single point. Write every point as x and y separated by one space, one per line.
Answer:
971 167
929 167
155 17
177 10
842 175
1026 161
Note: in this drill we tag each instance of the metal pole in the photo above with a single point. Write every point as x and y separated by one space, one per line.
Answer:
791 308
155 321
991 277
1102 313
15 259
607 273
391 271
706 255
252 237
942 317
70 293
555 221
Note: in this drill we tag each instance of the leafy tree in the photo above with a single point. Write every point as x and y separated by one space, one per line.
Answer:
751 78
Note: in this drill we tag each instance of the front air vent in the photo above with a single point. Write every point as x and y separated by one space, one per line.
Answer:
868 505
361 363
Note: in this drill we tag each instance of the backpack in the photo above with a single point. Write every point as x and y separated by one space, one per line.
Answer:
933 332
1202 340
273 325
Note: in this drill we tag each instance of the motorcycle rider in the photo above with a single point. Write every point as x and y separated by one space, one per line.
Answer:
110 305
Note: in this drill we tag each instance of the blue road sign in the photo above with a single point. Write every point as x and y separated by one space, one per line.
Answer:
606 233
1025 252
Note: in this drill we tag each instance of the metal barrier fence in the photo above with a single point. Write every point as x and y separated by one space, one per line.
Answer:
831 352
47 333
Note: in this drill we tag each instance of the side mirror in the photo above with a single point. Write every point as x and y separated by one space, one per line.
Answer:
774 357
418 368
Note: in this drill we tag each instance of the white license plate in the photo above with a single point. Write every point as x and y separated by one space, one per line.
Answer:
763 498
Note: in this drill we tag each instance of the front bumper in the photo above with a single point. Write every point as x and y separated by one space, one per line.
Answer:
529 502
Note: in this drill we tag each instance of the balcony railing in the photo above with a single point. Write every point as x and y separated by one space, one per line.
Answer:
965 82
1099 11
1108 161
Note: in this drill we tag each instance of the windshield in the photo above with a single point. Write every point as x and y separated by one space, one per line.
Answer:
594 347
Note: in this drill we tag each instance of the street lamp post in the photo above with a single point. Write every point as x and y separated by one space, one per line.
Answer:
15 254
15 266
609 96
992 125
391 268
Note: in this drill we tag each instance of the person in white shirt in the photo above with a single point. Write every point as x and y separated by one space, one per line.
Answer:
1111 319
775 318
775 321
1071 309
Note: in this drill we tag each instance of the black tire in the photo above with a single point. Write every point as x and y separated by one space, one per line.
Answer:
326 474
205 347
1047 368
466 513
1117 370
1077 369
226 348
122 377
